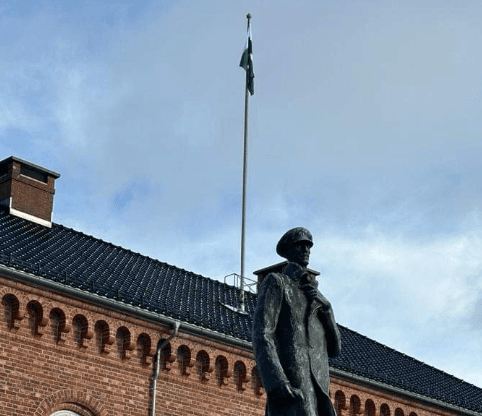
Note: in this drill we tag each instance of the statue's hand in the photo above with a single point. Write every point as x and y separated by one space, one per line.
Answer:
313 295
286 392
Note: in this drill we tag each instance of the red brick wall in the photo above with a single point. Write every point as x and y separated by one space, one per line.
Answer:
6 185
43 370
31 196
352 398
41 373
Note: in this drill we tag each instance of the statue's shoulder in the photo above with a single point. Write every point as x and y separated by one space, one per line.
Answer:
275 279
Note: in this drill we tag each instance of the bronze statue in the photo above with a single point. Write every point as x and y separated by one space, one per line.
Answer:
294 333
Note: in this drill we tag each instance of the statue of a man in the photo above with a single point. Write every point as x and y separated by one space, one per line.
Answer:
294 333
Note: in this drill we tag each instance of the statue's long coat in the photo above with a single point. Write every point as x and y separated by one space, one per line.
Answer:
292 340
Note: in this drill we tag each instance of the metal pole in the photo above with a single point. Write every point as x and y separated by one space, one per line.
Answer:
245 170
160 346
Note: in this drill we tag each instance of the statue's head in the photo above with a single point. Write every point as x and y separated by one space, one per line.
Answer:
295 246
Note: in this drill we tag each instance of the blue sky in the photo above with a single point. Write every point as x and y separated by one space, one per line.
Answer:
365 128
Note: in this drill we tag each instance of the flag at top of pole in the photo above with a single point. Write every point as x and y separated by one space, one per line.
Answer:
247 59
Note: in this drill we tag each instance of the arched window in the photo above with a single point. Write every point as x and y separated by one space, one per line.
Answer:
65 413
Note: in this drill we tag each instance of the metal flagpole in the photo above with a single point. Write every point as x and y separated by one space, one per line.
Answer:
245 169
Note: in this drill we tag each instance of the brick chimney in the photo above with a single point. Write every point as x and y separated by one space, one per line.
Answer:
27 190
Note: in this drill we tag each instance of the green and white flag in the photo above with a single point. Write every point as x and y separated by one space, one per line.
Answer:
247 61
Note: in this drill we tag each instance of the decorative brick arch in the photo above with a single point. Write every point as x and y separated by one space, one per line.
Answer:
75 400
204 365
64 412
22 300
185 359
222 370
82 311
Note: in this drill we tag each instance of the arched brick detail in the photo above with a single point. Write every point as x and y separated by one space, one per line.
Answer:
370 408
231 360
135 332
56 305
355 405
72 399
67 327
125 342
88 315
176 342
146 349
103 336
168 354
113 324
29 297
36 318
204 365
340 403
241 375
185 360
11 311
222 369
21 298
116 324
59 324
385 410
82 331
256 382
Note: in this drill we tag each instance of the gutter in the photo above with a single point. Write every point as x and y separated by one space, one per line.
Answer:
135 311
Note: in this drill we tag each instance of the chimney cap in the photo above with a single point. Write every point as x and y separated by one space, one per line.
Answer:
33 165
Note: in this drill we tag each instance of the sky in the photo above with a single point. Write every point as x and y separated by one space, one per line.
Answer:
365 128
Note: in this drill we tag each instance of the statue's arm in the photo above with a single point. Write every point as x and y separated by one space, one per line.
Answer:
265 321
327 318
332 333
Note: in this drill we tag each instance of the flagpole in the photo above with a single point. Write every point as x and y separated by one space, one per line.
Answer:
245 169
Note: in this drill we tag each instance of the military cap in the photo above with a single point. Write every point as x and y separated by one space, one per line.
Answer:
291 237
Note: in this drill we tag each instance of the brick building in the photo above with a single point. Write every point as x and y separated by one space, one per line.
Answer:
84 320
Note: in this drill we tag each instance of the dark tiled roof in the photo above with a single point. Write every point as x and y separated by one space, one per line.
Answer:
82 261
79 260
